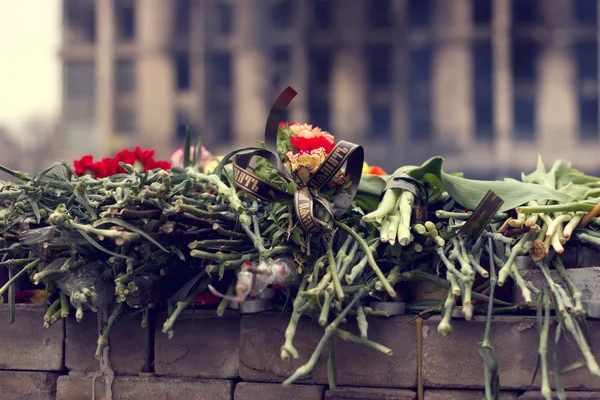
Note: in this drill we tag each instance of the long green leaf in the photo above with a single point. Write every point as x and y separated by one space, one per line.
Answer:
132 228
187 147
98 246
469 192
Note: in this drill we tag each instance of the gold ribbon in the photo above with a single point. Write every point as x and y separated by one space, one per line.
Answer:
305 197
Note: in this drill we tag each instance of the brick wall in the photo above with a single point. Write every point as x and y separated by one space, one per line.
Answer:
235 357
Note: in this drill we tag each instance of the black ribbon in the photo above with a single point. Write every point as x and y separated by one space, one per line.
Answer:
305 197
406 182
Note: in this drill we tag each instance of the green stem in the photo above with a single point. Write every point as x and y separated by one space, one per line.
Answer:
331 371
225 301
307 368
12 280
567 207
288 348
386 285
324 315
333 272
112 320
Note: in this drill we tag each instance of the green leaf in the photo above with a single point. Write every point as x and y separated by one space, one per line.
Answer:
187 147
469 192
132 228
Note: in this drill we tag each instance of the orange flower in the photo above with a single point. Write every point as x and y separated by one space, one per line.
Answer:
367 170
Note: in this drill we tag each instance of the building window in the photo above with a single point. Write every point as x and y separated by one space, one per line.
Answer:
420 93
586 12
224 18
379 58
587 72
184 123
320 64
419 13
322 13
524 57
381 121
482 12
220 107
483 90
80 80
380 13
524 11
222 69
125 76
281 64
182 17
125 20
125 120
280 14
79 21
182 77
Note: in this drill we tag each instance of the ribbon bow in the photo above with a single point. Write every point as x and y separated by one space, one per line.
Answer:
306 195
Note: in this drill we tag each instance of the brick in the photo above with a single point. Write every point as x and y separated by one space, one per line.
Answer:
27 385
454 361
32 347
370 393
128 341
71 387
262 337
442 394
275 391
360 366
532 395
587 280
204 346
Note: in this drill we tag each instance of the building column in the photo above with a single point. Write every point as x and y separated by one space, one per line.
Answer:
300 66
400 87
250 78
349 95
155 80
105 75
198 64
503 85
452 92
556 113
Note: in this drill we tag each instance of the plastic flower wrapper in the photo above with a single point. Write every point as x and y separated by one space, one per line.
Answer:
87 287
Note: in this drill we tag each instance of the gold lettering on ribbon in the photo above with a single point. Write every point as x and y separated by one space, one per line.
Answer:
245 180
331 165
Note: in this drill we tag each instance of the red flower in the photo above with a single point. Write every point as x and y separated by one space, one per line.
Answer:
312 143
110 166
85 164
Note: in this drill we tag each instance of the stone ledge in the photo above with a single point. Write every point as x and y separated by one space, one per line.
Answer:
262 336
71 387
531 395
128 341
443 394
17 385
33 347
369 393
587 281
204 346
454 361
274 391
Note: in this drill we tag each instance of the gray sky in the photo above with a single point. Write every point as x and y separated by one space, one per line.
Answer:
30 75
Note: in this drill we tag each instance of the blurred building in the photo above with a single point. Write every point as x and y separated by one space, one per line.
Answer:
486 83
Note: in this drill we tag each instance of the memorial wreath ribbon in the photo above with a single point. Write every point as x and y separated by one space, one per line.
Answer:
305 197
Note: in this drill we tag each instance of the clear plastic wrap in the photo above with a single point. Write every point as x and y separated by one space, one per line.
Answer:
281 271
88 287
37 238
143 289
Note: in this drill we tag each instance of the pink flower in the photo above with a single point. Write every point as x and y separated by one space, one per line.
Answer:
178 155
